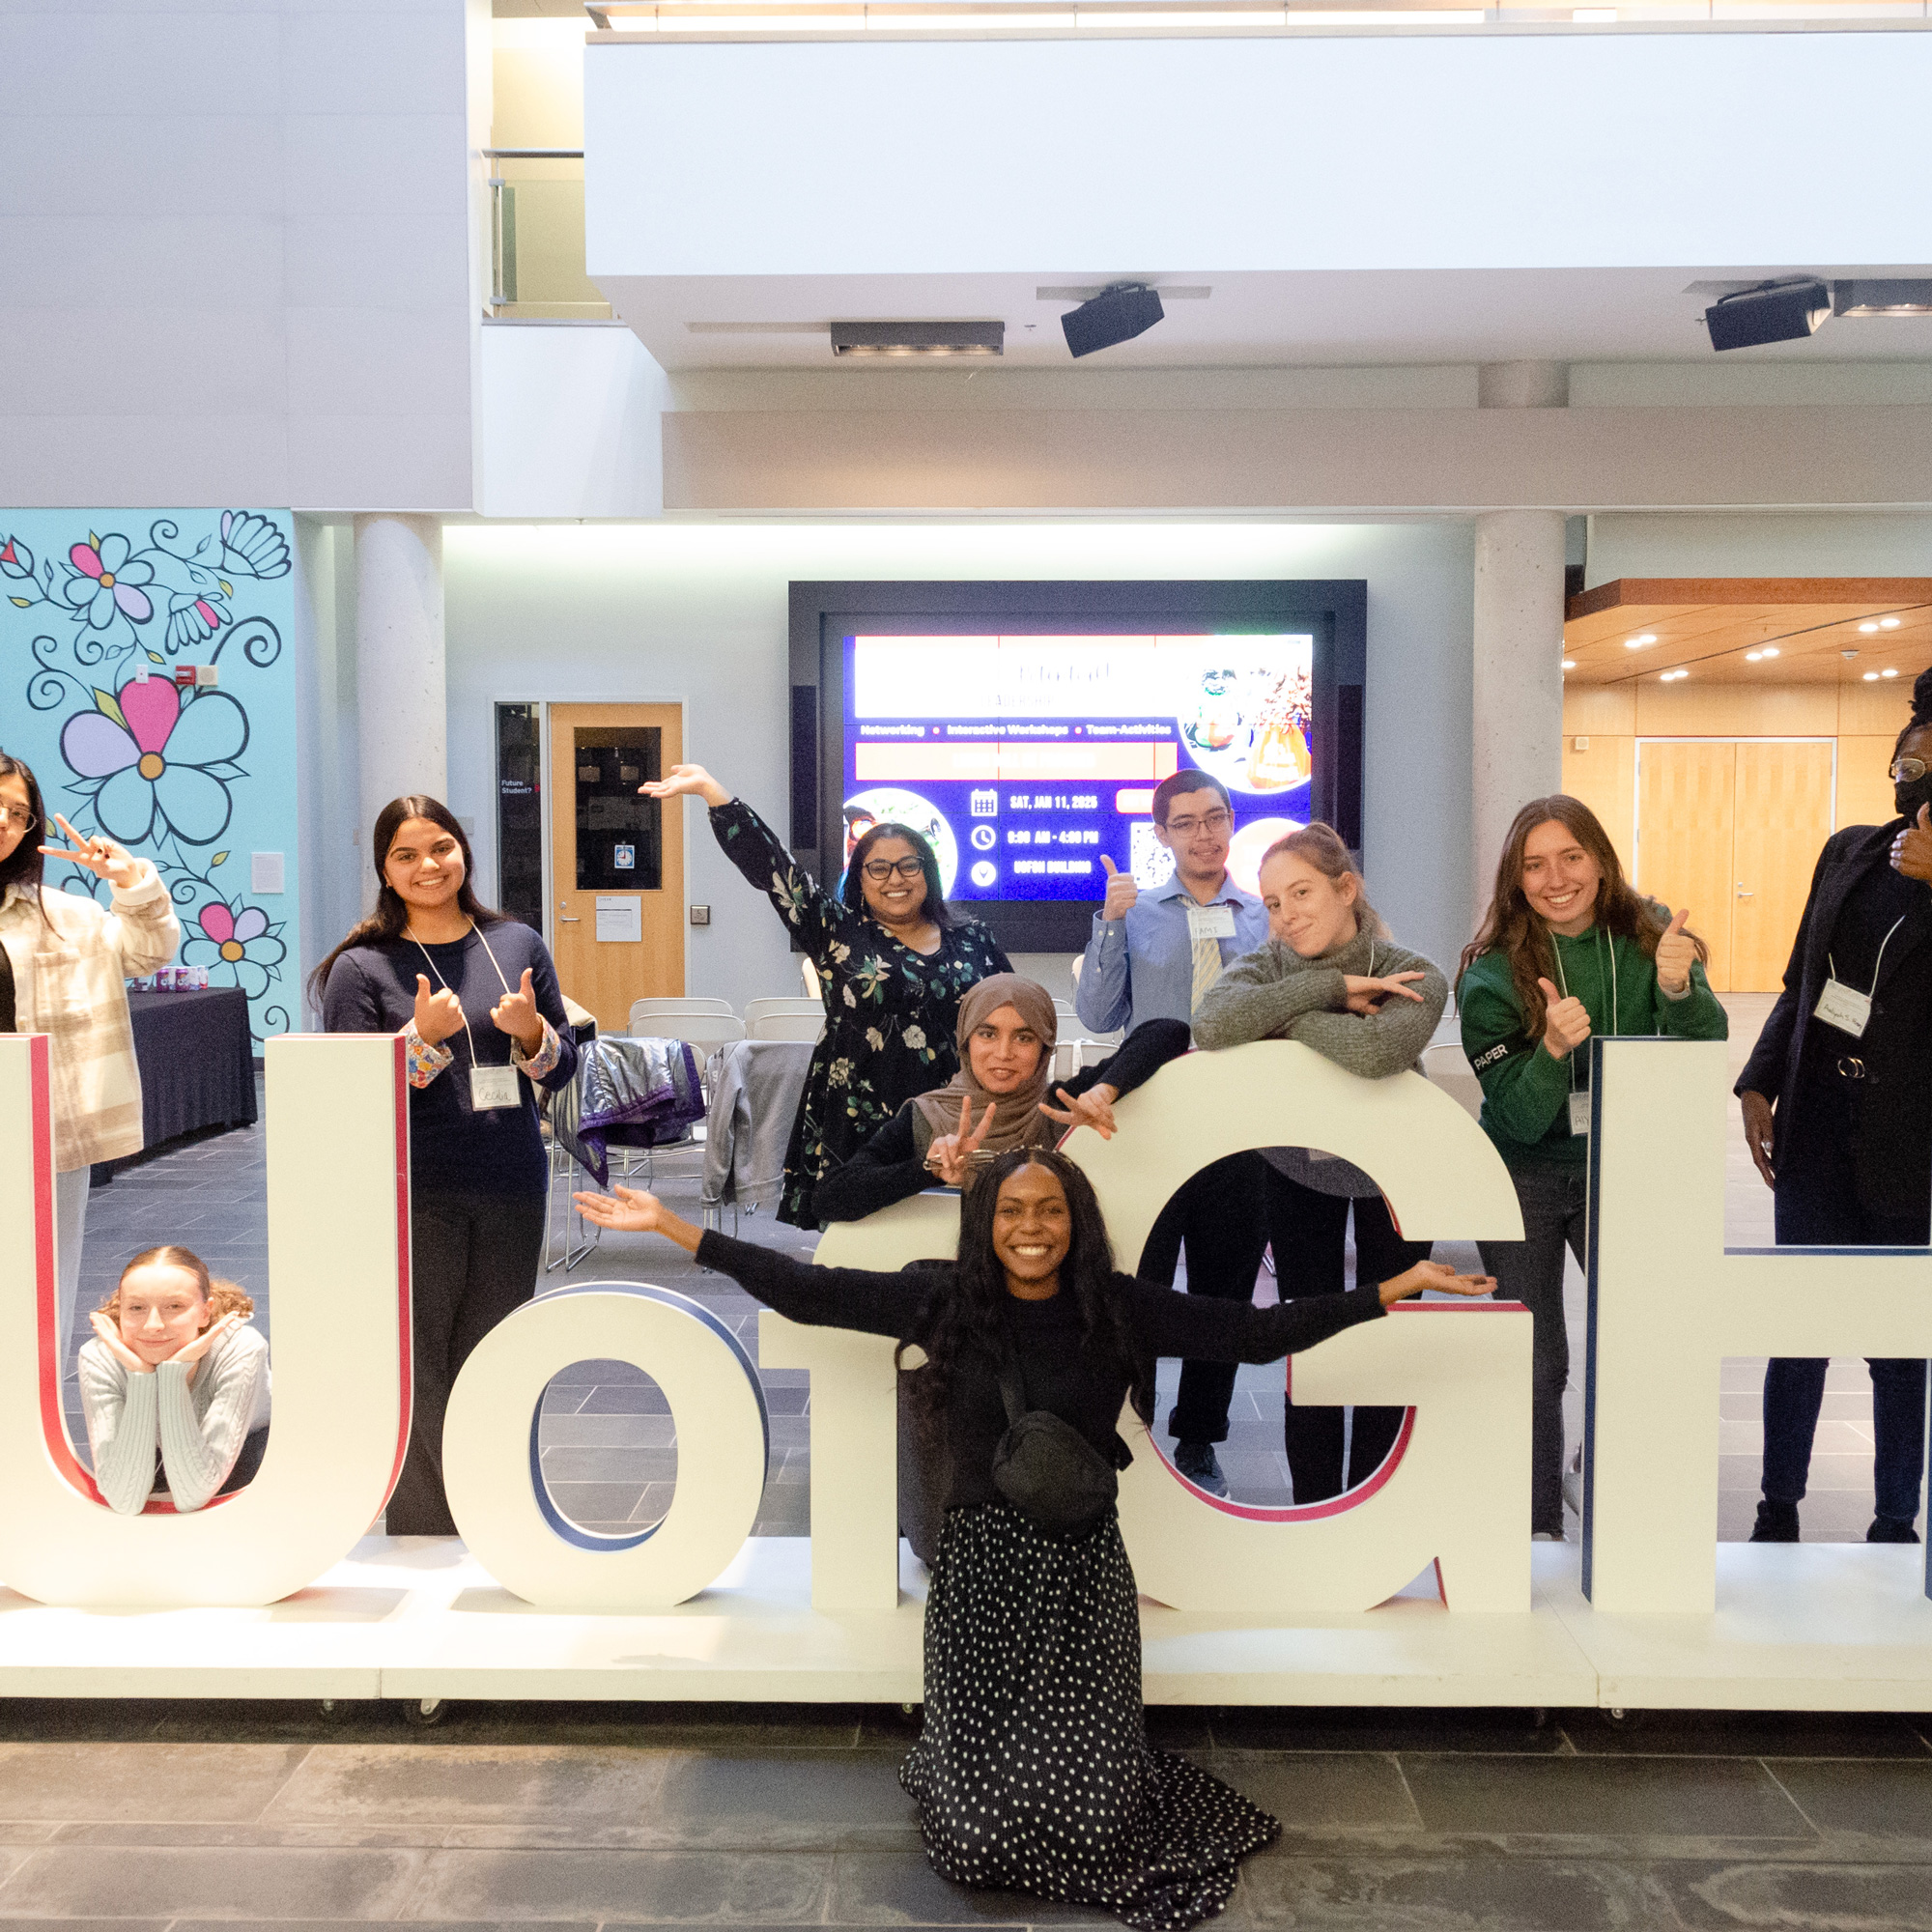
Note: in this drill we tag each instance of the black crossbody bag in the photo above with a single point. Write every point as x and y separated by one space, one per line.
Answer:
1048 1470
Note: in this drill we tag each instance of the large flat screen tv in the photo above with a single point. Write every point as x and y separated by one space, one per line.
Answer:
1024 727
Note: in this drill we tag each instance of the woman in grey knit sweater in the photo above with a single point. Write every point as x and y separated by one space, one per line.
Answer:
1332 978
175 1385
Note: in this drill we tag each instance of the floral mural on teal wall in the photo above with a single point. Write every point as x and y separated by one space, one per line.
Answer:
145 674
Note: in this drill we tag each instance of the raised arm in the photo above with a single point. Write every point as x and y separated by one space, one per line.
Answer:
1524 1085
1255 999
872 1304
198 1452
1388 1039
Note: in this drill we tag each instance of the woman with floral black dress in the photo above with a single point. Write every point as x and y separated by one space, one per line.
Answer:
893 962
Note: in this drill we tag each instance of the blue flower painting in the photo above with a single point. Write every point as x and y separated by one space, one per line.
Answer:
147 683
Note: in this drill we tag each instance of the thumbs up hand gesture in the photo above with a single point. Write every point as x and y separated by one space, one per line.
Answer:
1123 895
1565 1022
1912 849
515 1015
1676 954
438 1013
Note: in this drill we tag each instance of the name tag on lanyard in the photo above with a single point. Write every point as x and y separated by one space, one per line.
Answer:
493 1087
1216 922
1844 1007
1579 1114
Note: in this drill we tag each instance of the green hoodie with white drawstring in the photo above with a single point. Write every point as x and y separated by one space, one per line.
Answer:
1526 1088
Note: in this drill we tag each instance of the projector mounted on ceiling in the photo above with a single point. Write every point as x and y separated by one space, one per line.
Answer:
1116 314
1785 312
918 338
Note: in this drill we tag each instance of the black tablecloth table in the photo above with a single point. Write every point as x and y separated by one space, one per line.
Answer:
197 1064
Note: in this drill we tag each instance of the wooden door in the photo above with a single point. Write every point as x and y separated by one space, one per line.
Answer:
1785 816
1686 803
617 855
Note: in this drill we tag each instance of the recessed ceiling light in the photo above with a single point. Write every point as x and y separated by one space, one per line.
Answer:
1771 651
861 340
1861 297
1753 657
1638 642
1671 676
1888 623
1888 672
1871 677
1568 664
1866 629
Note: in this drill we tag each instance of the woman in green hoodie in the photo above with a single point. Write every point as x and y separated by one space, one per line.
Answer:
1567 949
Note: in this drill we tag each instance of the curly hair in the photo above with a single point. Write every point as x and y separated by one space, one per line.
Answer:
1510 928
973 1319
222 1298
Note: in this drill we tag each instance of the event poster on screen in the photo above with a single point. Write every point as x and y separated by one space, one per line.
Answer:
1026 759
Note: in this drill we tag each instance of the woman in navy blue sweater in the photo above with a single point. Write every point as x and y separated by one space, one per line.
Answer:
475 996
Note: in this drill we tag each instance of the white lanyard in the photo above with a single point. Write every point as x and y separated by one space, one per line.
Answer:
1579 1102
490 1087
1844 1007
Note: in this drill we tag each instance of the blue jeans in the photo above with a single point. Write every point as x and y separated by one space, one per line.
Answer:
1555 1203
1818 1206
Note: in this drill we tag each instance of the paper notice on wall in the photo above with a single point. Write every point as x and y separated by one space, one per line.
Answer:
620 918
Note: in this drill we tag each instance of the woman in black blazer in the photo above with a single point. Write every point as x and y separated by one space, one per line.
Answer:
1838 1107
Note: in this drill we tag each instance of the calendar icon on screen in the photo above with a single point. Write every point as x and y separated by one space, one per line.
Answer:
986 803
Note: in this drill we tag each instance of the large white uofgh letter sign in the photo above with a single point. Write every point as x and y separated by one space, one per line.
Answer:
1667 1303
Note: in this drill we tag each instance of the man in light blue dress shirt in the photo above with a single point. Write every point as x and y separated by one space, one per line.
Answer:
1152 956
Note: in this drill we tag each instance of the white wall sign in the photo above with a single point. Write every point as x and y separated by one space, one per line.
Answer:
620 917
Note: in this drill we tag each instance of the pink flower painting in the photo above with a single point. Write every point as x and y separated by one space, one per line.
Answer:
162 764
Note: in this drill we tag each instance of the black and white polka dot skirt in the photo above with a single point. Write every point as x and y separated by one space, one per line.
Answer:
1033 1771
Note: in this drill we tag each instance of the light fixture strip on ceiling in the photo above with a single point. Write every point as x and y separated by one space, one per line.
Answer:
1000 16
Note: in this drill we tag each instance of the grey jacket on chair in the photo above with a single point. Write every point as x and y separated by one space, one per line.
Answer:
759 1085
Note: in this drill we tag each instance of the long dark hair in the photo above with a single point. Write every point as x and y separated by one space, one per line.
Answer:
23 866
391 914
973 1318
1510 928
936 908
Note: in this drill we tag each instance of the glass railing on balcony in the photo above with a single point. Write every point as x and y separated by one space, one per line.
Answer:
536 238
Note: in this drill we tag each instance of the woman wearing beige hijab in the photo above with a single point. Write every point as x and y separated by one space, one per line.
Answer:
997 1101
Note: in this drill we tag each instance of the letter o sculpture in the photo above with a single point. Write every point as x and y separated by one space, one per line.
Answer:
495 1480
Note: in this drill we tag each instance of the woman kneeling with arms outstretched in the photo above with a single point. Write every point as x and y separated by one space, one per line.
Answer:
175 1385
1033 1771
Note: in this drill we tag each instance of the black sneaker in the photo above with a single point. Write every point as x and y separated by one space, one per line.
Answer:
1777 1522
1196 1462
1889 1529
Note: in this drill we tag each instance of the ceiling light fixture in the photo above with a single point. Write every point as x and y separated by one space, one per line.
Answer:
1888 623
1867 629
1671 676
918 338
1568 664
1118 314
1753 657
1638 642
1780 311
1890 670
1862 297
1768 651
1871 677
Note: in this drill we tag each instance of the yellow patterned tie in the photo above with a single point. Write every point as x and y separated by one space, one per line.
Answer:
1207 970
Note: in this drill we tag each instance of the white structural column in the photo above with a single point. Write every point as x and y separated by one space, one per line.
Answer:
401 692
1518 631
1519 686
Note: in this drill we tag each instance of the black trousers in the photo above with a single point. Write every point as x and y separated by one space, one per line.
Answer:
473 1260
1818 1206
1217 1215
1307 1230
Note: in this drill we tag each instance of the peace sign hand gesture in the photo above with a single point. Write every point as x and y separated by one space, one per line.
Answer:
515 1015
1094 1109
102 856
951 1155
1676 954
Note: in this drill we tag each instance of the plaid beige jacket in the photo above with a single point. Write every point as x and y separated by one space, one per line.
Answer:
67 974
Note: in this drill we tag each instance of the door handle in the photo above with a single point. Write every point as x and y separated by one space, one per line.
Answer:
1745 896
568 919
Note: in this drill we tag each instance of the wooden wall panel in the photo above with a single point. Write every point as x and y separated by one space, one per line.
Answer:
1691 710
1604 779
1783 818
1864 786
1600 707
1873 708
1686 811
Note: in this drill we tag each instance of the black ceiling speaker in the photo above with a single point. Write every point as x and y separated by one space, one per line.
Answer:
1116 314
1777 312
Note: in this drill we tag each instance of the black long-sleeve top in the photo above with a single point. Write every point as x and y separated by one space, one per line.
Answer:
1060 1372
887 1168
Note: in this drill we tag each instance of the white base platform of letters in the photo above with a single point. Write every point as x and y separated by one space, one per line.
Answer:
1421 1587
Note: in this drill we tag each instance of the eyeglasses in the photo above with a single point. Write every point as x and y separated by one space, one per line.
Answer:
12 815
879 870
1904 771
1213 821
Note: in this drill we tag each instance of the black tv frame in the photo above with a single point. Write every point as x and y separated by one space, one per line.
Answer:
1334 611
